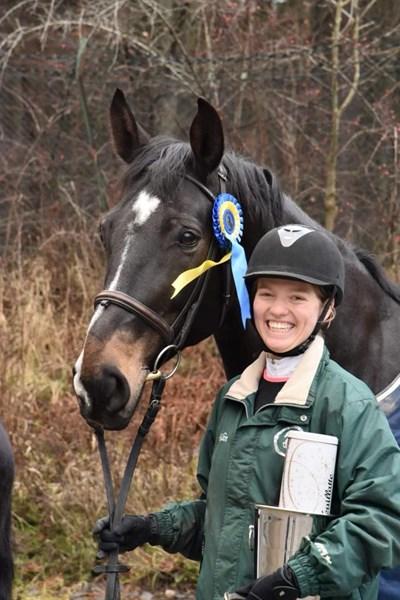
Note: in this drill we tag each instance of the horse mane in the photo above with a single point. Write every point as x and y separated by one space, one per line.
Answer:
256 188
167 160
377 272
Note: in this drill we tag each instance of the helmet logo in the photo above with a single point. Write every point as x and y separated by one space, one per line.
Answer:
289 234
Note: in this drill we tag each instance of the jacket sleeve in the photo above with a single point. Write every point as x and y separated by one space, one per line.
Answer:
181 525
181 528
366 536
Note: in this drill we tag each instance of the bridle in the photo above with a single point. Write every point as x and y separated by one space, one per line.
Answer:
175 334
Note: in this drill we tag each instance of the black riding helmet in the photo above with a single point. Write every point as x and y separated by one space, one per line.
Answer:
299 252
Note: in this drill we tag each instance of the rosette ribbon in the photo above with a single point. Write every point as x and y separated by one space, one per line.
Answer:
227 218
188 276
227 222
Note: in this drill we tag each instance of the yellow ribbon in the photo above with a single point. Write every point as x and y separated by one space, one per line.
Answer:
188 276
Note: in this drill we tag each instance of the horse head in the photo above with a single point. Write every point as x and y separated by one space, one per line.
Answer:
160 227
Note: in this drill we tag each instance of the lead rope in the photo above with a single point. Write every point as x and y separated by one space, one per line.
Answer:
116 509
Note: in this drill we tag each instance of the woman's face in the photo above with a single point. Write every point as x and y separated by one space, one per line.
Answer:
285 312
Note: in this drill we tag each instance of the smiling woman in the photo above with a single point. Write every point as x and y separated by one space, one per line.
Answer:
296 278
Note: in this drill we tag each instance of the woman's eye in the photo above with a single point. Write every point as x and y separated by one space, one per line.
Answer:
188 238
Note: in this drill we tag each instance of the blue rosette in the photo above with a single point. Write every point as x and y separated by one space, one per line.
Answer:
227 221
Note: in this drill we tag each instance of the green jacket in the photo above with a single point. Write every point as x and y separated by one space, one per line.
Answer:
241 462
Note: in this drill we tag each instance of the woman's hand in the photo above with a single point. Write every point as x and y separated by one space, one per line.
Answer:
133 531
280 585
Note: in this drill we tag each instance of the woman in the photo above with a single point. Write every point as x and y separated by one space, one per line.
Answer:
296 279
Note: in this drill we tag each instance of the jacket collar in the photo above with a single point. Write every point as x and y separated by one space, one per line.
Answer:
296 390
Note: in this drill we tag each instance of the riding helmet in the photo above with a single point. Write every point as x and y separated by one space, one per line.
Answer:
299 252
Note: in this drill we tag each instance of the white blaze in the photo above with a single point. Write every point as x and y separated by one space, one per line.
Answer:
144 206
78 386
114 283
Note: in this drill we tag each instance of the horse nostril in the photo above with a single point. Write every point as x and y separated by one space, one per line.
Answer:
109 391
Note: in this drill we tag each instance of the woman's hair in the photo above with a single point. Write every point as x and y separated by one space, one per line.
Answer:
325 292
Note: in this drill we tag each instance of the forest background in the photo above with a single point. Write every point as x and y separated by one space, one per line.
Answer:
309 88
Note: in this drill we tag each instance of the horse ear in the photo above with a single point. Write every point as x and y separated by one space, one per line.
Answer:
207 137
126 132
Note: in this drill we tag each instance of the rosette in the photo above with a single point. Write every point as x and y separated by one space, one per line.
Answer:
227 218
227 224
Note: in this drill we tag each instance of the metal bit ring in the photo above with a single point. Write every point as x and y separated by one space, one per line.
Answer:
156 373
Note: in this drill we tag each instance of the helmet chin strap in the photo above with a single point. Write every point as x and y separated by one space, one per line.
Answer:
304 345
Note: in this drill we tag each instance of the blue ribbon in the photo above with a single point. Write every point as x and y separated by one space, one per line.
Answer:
239 268
228 228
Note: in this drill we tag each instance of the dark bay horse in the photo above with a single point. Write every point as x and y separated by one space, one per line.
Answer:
6 482
161 227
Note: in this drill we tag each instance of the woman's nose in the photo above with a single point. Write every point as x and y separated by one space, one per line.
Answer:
278 307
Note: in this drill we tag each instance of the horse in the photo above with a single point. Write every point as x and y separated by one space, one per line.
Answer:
161 227
6 482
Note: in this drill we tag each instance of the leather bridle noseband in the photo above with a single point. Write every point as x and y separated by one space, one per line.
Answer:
176 333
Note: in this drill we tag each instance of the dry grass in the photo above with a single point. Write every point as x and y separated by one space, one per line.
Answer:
45 304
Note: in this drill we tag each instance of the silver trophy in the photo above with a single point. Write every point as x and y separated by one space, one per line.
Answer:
306 491
278 534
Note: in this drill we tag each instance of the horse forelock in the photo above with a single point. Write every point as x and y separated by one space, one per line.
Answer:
165 160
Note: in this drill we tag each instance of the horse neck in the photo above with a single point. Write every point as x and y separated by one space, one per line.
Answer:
292 213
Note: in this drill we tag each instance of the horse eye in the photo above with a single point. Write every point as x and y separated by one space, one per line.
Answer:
188 238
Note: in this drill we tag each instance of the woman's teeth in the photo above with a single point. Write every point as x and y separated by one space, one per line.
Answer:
279 325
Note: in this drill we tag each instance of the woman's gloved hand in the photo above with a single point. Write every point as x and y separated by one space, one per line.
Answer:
280 585
133 531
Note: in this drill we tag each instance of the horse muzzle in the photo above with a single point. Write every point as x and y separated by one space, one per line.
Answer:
106 398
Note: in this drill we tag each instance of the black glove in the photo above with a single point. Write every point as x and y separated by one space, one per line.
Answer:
134 531
280 585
